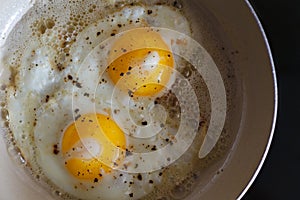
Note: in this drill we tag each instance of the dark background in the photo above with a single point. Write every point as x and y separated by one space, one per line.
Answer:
280 175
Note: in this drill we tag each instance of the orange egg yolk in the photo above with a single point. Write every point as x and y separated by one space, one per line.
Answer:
142 62
92 145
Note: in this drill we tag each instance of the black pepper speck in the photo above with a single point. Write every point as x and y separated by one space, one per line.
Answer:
139 177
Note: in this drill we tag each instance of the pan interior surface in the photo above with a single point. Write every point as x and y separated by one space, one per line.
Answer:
255 66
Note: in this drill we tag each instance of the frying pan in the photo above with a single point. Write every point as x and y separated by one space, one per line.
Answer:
254 125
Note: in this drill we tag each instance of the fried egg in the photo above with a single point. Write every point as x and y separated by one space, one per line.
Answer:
79 122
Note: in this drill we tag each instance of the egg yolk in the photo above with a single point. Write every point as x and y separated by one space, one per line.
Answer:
142 61
91 145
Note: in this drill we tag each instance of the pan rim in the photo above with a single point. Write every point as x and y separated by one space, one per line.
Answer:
275 111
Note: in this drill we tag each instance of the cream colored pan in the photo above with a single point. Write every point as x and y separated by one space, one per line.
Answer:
234 39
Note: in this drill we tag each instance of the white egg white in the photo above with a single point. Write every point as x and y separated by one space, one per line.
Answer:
43 104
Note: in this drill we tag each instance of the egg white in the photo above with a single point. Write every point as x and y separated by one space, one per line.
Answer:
43 105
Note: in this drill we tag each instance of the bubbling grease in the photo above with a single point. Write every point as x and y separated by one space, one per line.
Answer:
58 25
